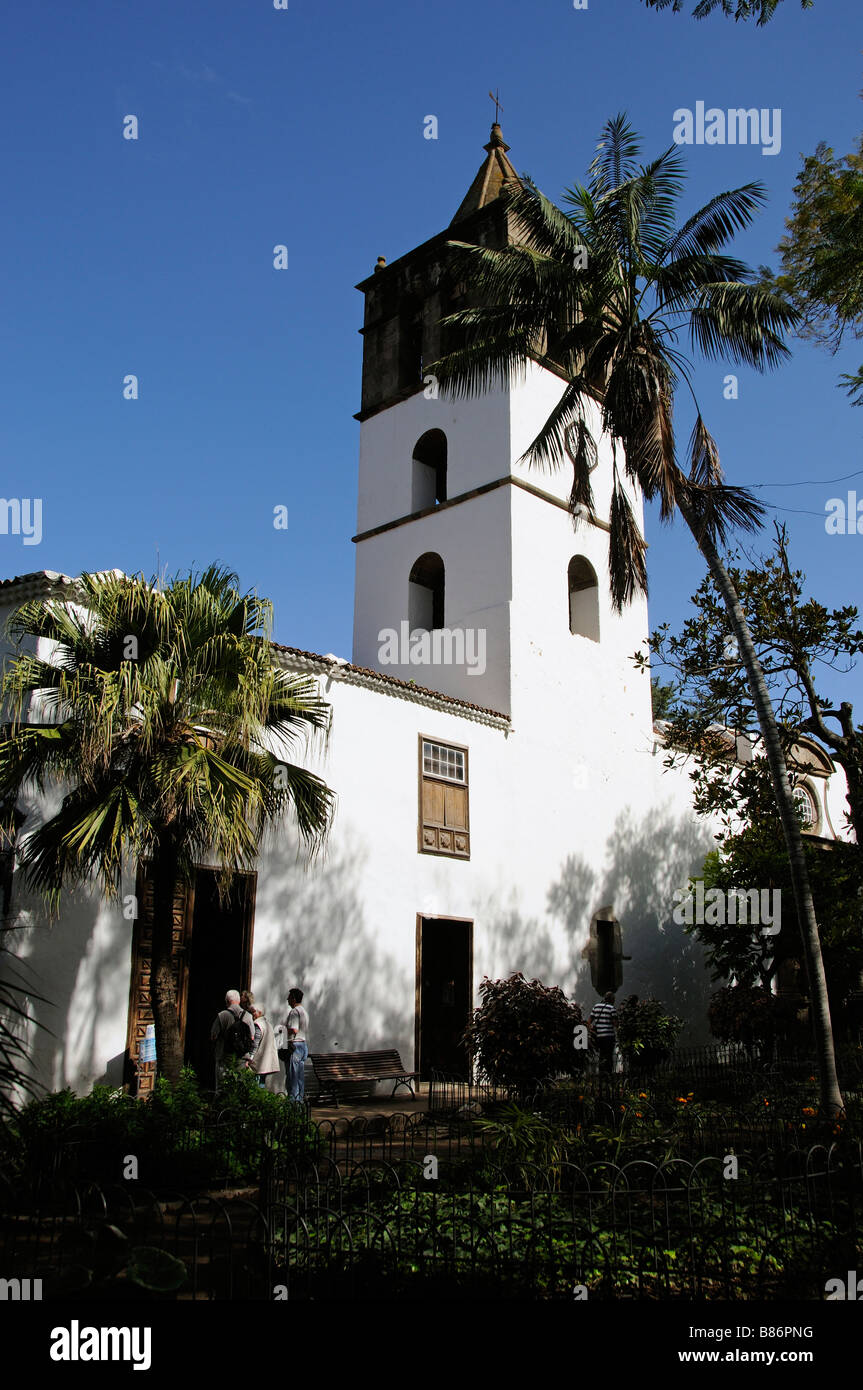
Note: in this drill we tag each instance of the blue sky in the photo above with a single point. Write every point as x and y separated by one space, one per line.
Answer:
305 127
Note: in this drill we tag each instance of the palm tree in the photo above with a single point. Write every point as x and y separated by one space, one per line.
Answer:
600 294
164 716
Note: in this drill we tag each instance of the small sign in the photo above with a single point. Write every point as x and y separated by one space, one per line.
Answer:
147 1050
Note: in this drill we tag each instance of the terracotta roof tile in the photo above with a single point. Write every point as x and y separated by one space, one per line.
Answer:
366 672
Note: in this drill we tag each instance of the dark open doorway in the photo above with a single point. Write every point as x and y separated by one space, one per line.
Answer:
444 993
212 954
218 958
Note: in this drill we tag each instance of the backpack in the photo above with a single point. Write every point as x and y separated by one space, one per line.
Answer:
237 1039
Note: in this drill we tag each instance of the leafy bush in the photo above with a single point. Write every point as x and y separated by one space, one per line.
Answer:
645 1032
750 1015
176 1136
523 1032
548 1241
523 1140
15 1015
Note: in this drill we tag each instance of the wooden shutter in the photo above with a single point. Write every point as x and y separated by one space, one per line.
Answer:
444 814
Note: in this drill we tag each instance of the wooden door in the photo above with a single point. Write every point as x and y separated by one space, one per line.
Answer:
444 992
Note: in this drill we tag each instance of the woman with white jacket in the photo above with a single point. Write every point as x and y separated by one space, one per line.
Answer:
265 1058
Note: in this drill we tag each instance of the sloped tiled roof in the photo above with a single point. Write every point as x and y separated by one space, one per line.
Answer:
364 675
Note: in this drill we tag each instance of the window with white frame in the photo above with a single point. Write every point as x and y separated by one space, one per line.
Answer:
439 760
804 800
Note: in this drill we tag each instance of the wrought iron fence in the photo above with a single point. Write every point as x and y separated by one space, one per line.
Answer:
639 1230
778 1228
643 1191
723 1072
110 1242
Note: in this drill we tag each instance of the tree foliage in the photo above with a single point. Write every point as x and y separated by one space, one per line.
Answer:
159 707
762 11
711 727
822 252
661 697
750 1014
753 857
164 719
645 1031
799 641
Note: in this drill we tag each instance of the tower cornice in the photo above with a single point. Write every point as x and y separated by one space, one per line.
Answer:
508 480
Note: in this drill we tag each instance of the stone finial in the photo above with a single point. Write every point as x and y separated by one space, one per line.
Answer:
496 140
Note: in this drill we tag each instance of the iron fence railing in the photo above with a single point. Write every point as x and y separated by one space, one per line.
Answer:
687 1182
725 1071
779 1228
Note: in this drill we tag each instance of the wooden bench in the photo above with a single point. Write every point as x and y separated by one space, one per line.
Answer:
346 1071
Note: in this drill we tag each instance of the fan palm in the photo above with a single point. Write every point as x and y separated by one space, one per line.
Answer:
163 715
600 294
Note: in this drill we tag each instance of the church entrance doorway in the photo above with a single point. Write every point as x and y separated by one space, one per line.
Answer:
444 993
212 953
218 958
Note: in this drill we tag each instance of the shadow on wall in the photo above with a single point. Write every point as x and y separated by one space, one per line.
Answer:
646 860
515 943
319 938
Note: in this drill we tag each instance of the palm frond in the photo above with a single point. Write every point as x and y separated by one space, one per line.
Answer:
705 468
626 548
712 226
719 509
743 322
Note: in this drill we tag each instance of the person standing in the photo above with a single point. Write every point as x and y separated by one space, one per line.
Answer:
297 1025
603 1019
264 1061
224 1032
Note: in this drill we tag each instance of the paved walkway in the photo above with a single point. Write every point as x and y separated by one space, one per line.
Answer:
402 1103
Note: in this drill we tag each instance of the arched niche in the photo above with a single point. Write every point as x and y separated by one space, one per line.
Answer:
426 593
429 470
583 592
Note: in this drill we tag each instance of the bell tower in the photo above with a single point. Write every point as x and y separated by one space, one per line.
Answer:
470 578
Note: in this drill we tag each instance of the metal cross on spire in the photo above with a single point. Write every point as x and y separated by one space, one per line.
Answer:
495 96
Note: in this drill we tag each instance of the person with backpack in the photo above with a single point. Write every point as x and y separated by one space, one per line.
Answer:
232 1036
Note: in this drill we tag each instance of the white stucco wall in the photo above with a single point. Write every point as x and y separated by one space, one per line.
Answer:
555 835
569 813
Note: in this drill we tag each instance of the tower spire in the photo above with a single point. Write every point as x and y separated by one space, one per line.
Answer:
494 174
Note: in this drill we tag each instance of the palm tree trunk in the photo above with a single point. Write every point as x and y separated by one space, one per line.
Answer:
163 995
831 1096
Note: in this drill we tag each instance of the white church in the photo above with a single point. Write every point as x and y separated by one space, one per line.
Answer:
502 803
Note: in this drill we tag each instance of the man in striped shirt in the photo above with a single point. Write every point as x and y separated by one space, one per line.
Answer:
603 1020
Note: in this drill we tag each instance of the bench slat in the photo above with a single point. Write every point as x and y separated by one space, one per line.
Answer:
335 1068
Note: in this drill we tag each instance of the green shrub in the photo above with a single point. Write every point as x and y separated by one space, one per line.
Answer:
645 1032
523 1032
750 1015
177 1136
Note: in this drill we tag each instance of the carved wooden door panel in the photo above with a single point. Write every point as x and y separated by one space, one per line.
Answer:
140 1011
